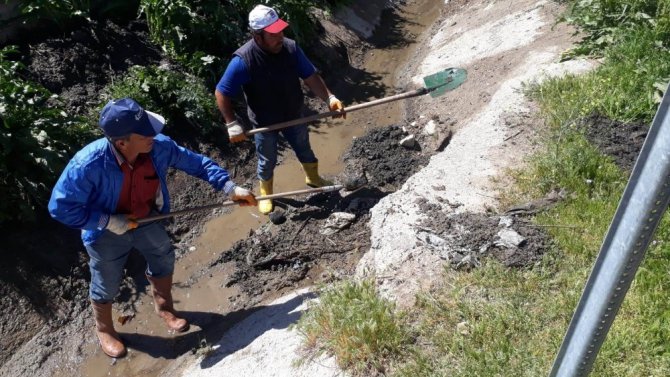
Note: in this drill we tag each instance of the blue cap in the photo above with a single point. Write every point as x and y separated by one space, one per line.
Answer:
122 117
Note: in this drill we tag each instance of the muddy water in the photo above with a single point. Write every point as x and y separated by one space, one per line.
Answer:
152 348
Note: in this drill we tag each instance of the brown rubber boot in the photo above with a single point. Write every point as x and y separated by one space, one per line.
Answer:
162 292
110 342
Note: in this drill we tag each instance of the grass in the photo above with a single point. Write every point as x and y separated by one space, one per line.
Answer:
352 322
496 321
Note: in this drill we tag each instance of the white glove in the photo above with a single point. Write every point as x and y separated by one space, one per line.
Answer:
235 132
243 196
119 224
335 104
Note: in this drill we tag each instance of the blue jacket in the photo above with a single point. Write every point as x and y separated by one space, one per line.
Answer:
88 190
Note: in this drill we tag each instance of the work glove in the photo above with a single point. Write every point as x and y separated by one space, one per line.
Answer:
119 224
336 105
235 132
243 196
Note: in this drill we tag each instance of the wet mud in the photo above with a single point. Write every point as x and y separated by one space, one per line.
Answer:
381 159
468 239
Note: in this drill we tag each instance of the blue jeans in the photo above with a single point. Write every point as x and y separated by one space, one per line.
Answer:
109 254
266 148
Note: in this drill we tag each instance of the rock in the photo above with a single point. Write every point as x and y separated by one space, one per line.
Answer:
463 328
277 217
430 128
509 238
408 142
467 263
506 221
336 222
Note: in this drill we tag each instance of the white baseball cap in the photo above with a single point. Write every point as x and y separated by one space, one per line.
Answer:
266 18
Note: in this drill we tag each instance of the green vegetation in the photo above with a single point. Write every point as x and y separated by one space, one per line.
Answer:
496 321
176 96
198 34
361 329
201 35
609 22
65 12
36 140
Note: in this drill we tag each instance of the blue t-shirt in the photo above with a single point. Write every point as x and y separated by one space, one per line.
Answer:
237 74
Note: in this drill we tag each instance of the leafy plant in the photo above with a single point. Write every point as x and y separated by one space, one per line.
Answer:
606 22
65 12
36 140
202 34
177 96
195 32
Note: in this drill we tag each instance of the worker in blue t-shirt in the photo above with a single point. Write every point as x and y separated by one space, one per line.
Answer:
268 69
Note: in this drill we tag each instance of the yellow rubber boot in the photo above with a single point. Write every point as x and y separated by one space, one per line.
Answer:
312 177
265 206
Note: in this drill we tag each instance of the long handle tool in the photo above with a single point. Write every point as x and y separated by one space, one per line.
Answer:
232 203
435 84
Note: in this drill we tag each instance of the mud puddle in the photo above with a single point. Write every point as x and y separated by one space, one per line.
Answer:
331 138
240 260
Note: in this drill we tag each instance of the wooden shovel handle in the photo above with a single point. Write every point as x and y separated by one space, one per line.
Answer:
231 203
311 118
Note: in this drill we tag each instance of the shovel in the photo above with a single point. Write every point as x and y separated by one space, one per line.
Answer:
435 84
232 203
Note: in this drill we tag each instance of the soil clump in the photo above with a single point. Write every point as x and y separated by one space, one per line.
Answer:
78 65
621 141
465 239
382 160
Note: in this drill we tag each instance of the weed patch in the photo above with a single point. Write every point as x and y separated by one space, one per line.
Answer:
354 324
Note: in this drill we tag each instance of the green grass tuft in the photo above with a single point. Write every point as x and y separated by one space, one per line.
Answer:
351 322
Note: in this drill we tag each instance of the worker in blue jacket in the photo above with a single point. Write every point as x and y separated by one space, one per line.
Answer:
118 179
268 69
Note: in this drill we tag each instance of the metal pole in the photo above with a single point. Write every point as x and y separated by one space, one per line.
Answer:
642 205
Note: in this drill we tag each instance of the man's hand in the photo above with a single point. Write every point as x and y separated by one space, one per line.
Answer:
243 196
235 132
336 105
119 224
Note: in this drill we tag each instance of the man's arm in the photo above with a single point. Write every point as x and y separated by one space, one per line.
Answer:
316 84
228 87
225 105
235 130
70 200
202 167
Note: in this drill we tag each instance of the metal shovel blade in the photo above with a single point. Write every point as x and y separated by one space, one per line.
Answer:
449 79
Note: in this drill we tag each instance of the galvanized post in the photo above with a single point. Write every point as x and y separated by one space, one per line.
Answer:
642 205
